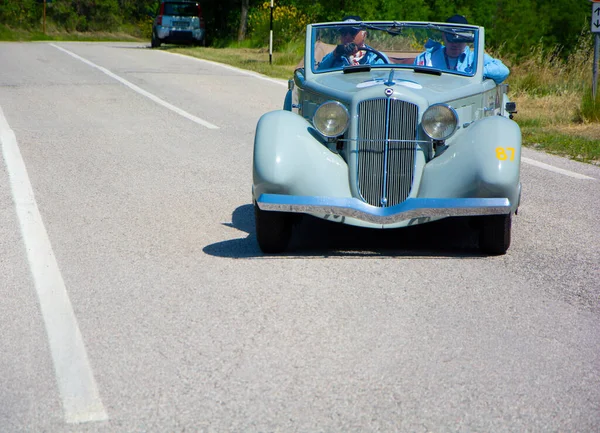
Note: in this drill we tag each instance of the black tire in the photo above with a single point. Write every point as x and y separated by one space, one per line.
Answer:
494 238
273 230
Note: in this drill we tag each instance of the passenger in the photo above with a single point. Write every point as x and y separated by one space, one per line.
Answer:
351 50
456 55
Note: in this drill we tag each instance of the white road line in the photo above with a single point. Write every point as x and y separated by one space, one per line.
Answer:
556 169
142 91
79 393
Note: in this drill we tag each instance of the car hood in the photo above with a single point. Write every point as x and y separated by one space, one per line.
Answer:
432 88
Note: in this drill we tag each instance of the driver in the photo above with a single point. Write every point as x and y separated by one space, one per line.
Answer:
352 49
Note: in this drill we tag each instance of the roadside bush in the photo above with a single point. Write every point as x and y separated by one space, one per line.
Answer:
24 14
65 17
141 29
545 72
145 26
291 53
289 24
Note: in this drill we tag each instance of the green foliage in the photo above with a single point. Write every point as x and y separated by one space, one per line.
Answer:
590 107
144 26
76 15
9 34
20 14
64 15
289 24
514 26
414 10
545 72
137 10
222 18
290 54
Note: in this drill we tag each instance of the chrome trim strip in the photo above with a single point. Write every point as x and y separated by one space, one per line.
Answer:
409 209
386 152
391 140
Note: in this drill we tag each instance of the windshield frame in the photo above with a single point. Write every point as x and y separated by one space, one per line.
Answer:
393 29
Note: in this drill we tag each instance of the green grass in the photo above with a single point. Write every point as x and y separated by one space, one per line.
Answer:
8 34
590 107
576 147
22 35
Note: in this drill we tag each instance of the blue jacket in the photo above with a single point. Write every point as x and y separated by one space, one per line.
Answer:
330 61
435 56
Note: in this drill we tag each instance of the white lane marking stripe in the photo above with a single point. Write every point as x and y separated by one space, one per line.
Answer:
79 393
555 169
142 91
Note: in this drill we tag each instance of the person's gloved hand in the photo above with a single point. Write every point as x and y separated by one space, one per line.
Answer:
345 50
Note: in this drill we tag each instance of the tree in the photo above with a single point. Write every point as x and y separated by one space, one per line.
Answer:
20 13
413 10
243 20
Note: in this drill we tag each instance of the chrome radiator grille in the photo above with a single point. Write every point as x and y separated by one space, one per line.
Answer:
387 130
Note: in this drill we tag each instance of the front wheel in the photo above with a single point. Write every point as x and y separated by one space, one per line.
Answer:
273 230
494 238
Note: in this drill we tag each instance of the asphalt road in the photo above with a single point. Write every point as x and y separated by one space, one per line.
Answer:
133 296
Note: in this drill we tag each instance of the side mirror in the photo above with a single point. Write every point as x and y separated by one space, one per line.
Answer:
511 108
299 77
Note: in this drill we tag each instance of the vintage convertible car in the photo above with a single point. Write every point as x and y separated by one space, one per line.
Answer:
392 143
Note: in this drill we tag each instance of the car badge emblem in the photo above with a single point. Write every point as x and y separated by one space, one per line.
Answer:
389 92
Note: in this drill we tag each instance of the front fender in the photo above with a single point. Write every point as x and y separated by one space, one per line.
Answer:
289 158
484 160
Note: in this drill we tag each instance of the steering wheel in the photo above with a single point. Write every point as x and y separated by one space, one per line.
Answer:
378 54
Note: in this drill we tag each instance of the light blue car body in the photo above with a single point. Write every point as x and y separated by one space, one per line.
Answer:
474 172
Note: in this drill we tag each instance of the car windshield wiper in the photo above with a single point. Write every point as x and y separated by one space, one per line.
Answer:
394 30
436 27
465 34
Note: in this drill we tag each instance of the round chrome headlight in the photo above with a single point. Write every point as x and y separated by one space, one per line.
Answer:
331 119
439 121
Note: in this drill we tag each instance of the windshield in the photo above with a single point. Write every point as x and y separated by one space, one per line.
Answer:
181 9
447 48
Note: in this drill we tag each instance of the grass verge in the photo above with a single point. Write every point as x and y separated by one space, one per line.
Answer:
554 123
575 145
21 35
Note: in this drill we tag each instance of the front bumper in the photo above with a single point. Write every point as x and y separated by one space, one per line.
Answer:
410 209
